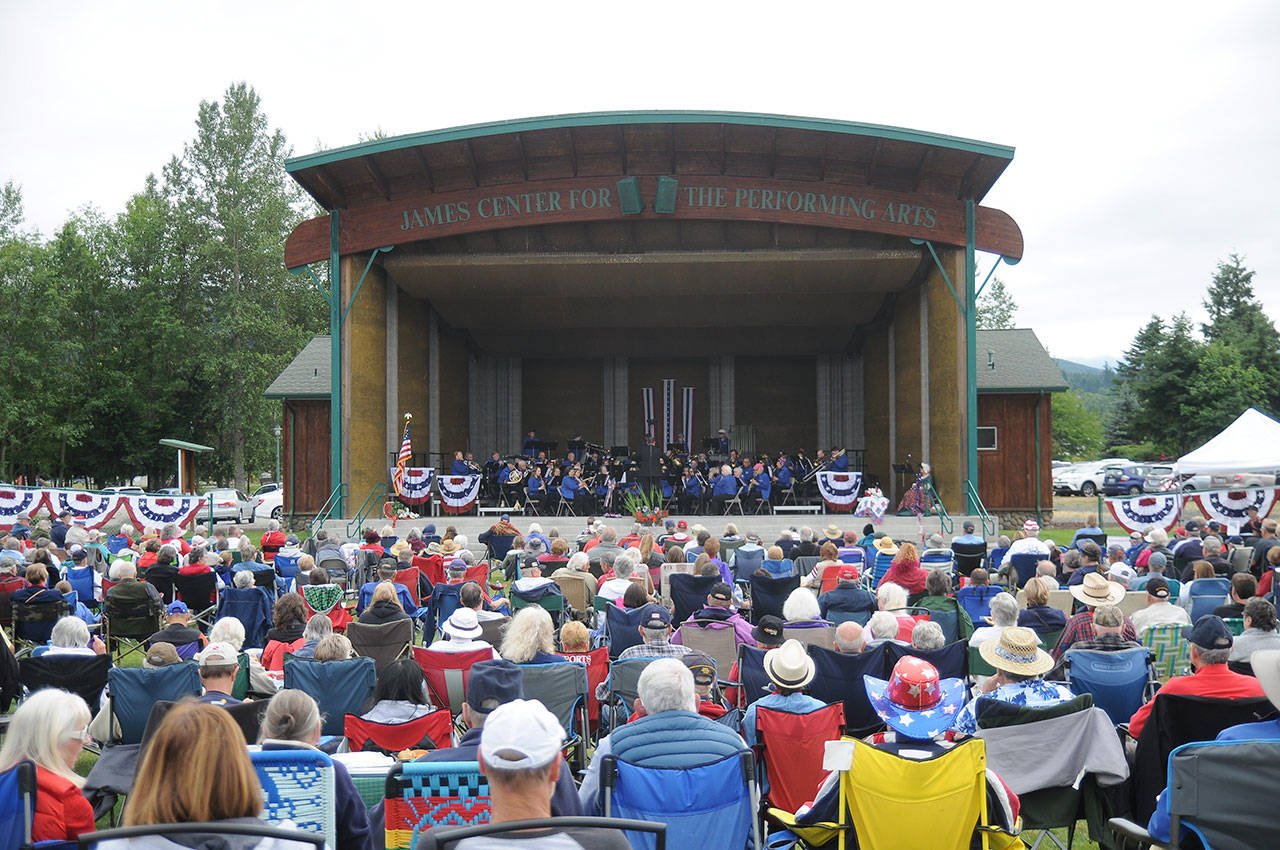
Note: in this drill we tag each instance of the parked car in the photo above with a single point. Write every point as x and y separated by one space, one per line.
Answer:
265 489
228 505
1159 480
1241 480
1084 479
126 490
1124 480
269 505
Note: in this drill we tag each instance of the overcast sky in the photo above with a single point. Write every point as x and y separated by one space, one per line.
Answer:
1146 134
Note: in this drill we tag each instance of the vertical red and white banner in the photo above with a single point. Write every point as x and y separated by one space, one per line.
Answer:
668 412
687 419
646 396
402 462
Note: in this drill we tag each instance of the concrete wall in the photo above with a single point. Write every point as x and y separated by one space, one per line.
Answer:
364 355
562 396
947 435
776 396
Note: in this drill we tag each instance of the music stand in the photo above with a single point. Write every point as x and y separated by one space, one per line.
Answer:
620 451
711 444
675 447
548 447
906 473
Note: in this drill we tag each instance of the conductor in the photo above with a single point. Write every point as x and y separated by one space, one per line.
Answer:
649 466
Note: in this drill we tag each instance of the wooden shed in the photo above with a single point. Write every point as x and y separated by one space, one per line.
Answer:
303 388
1016 380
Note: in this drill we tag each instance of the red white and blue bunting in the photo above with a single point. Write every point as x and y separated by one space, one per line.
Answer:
458 492
94 508
1231 507
19 501
1139 513
872 505
158 511
839 489
415 484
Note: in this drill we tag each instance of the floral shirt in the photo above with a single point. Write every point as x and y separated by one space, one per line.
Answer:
1031 693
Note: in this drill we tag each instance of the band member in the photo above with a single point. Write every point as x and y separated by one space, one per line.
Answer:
459 465
492 469
649 464
722 448
513 486
690 492
724 486
569 462
759 485
681 445
536 491
574 491
530 445
839 460
782 477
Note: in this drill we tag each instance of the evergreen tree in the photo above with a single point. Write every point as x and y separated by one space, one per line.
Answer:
1236 319
996 307
1077 433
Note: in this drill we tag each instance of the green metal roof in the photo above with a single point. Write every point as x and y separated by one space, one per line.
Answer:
307 375
183 444
595 119
1014 361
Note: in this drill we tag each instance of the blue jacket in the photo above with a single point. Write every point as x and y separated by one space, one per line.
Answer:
765 484
848 598
693 487
725 485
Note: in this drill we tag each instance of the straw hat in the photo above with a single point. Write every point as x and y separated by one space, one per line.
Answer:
1266 666
789 666
1096 590
1017 650
885 545
448 547
1158 536
832 532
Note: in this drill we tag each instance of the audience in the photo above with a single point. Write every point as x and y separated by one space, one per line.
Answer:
1038 616
1159 611
400 694
49 728
1020 665
790 670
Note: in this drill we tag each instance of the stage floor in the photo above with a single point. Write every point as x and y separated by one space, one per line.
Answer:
768 527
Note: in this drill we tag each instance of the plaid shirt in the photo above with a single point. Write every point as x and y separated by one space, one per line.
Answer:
1080 627
655 649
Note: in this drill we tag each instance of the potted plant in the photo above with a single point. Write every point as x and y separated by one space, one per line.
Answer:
646 507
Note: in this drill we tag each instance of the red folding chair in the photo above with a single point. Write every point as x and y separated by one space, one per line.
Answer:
431 566
409 578
447 674
395 737
479 574
597 661
831 575
791 747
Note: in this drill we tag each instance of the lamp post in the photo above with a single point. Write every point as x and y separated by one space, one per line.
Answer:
277 430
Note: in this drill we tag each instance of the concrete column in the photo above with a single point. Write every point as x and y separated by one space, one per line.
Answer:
727 393
621 400
855 408
394 425
893 416
433 383
608 402
925 454
827 398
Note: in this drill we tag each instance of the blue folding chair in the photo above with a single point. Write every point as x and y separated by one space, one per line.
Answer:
753 682
768 594
951 661
287 570
746 563
713 805
298 786
976 600
1119 681
17 804
252 607
622 627
82 583
689 594
879 567
853 555
444 601
622 689
117 542
1024 567
839 679
1206 594
338 687
135 690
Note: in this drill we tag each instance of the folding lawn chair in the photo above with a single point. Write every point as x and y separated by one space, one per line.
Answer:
1120 682
951 661
447 674
338 687
83 675
790 747
562 688
251 607
421 795
200 592
716 639
839 679
622 689
433 727
689 594
384 642
298 787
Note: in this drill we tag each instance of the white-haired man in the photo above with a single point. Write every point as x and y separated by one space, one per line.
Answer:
1029 543
671 734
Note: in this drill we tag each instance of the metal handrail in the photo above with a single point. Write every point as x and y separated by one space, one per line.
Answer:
377 496
331 504
989 526
944 518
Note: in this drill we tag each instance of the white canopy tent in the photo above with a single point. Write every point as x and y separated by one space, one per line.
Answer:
1250 444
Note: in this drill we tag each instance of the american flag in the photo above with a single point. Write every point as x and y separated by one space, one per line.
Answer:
402 461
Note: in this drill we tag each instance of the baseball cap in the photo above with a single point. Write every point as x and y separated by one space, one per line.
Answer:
702 666
1159 559
768 631
177 607
1209 632
1108 616
77 552
655 617
217 654
161 654
682 525
520 735
505 518
498 680
848 573
1158 586
721 590
1192 525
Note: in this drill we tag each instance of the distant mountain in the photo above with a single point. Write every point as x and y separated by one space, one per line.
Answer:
1091 384
1068 366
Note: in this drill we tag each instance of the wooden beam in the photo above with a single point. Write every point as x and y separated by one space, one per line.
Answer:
471 160
622 148
875 160
920 169
381 181
773 152
330 185
724 151
966 182
426 169
573 150
671 140
524 161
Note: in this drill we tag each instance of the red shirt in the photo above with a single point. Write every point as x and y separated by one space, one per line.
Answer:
1213 680
908 575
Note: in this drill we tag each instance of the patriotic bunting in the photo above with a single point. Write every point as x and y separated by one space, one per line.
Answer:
94 508
158 511
458 493
402 461
872 505
647 410
18 501
1231 507
839 489
668 413
1138 513
687 419
415 484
